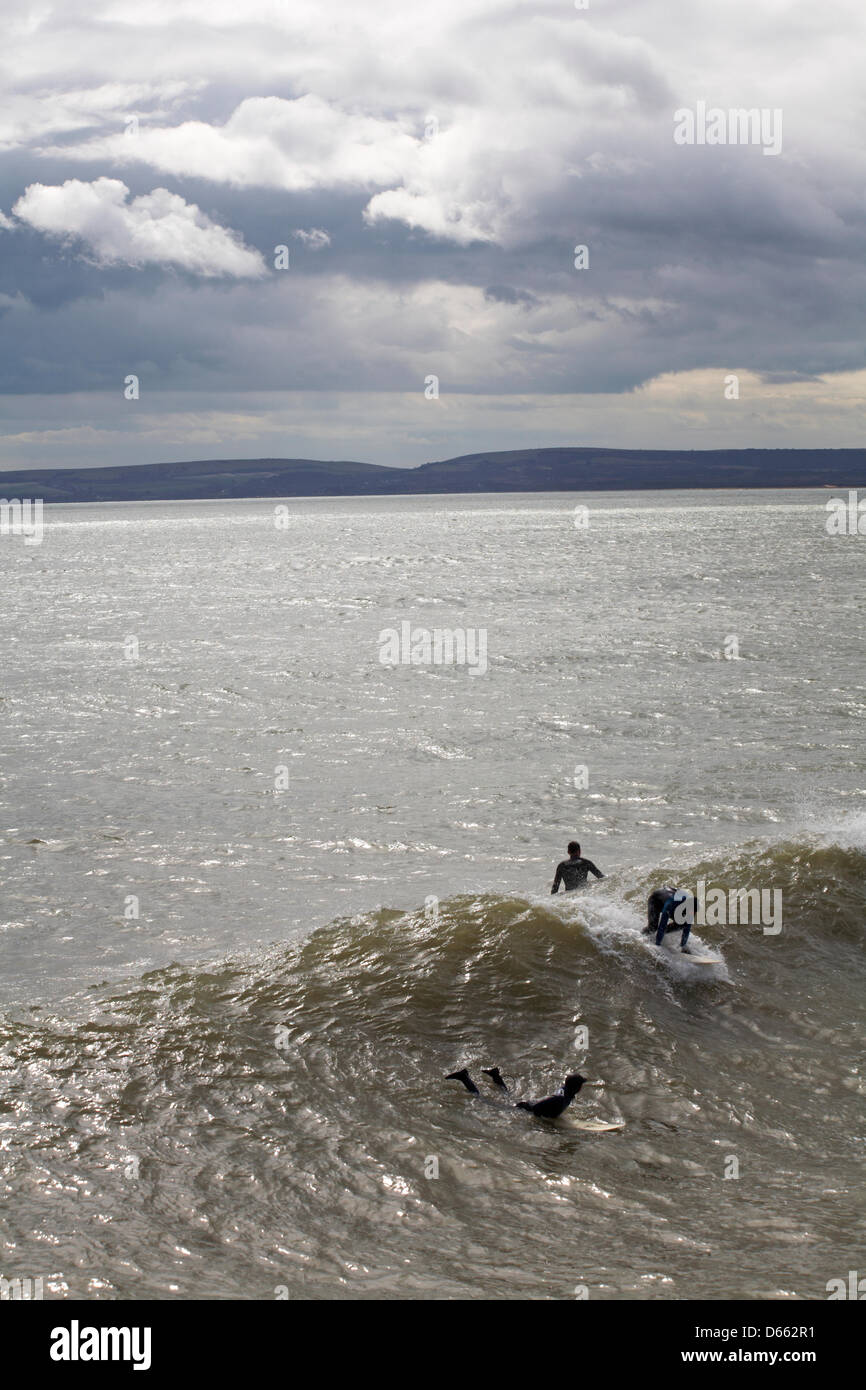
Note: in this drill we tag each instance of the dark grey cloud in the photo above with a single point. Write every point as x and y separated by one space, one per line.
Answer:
507 294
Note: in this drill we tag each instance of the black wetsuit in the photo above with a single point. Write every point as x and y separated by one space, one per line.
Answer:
548 1109
552 1106
573 873
661 906
655 902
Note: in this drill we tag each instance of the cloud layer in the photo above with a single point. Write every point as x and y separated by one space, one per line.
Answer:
433 171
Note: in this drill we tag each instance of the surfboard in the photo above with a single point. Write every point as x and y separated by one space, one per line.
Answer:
598 1126
691 958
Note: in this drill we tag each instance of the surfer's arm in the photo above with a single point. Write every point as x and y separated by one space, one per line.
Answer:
593 870
557 880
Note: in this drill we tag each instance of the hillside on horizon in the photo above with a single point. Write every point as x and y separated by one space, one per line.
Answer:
584 469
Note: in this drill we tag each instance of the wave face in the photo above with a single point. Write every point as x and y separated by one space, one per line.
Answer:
271 1126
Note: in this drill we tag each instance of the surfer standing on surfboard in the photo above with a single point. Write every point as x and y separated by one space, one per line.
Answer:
668 909
573 871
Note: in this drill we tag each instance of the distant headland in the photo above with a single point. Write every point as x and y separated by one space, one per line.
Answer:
512 470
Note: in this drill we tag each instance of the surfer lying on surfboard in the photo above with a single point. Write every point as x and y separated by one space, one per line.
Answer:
669 909
548 1109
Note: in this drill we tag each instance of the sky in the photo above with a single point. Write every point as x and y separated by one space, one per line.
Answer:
429 170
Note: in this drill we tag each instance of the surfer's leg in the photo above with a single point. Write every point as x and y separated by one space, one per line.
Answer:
684 938
657 917
463 1075
495 1076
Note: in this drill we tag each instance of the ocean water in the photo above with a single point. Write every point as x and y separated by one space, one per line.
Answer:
261 891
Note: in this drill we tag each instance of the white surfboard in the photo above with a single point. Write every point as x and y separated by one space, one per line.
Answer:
598 1126
692 958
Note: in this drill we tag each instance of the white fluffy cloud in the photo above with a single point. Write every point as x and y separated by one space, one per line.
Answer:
157 228
268 142
439 182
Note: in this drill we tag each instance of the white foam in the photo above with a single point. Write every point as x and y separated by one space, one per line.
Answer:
847 831
615 925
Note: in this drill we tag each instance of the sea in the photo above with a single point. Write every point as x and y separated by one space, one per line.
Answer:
284 786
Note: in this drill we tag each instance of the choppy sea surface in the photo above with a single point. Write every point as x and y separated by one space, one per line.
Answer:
262 890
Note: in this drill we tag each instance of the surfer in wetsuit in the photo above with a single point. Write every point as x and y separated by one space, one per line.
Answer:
548 1109
573 871
669 909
